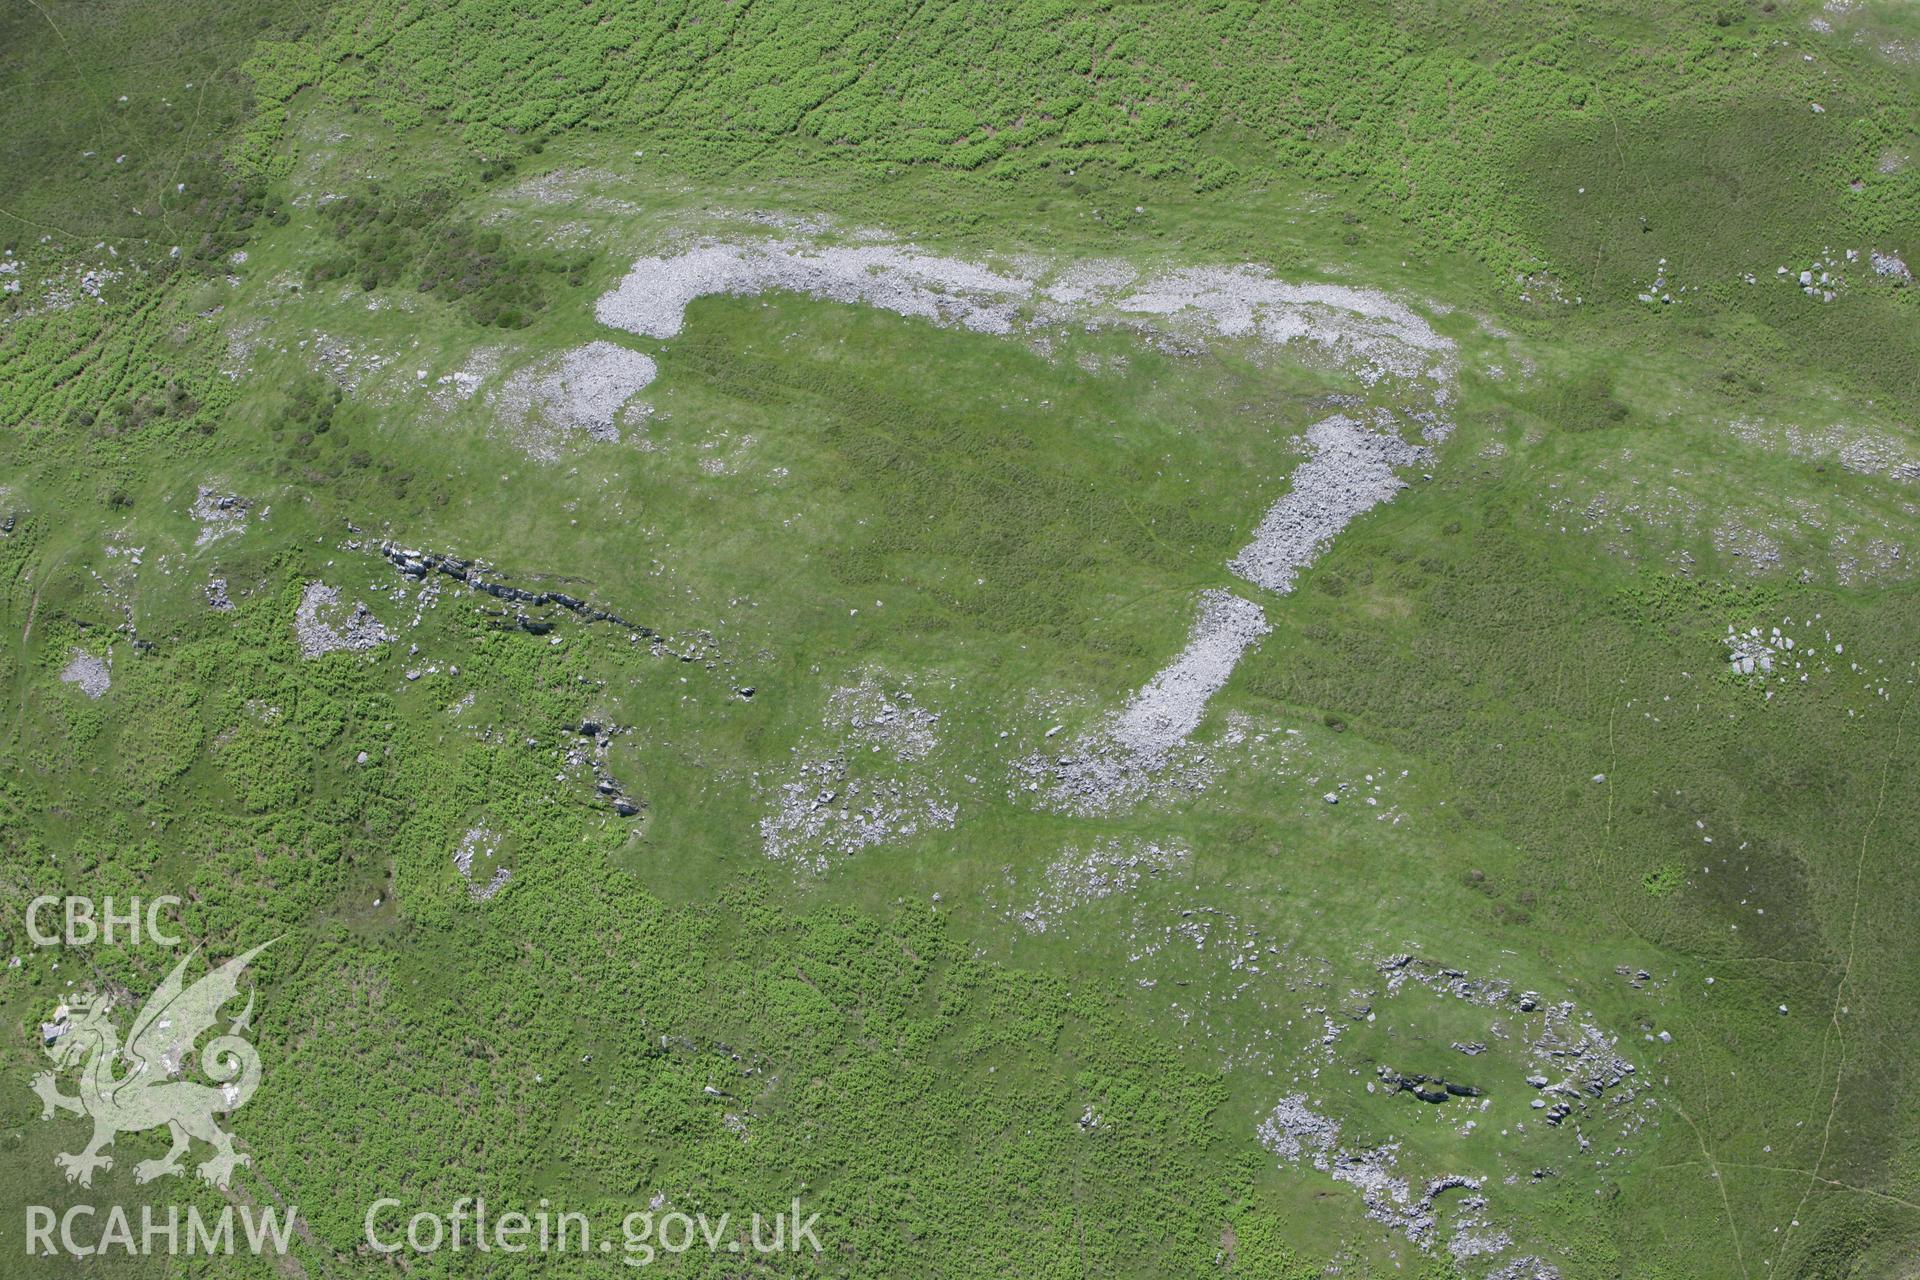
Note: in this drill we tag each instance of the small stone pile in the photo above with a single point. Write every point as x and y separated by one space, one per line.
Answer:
322 625
483 843
88 673
1752 653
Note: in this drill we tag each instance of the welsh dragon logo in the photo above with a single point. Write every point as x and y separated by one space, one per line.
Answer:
148 1094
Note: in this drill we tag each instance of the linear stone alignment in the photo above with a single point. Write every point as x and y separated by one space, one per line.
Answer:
1349 473
1168 707
1139 752
483 578
1371 332
653 298
478 575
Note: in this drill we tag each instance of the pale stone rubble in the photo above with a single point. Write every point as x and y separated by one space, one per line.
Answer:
1169 707
580 392
864 788
87 672
1142 750
323 625
1349 471
482 843
1368 331
1110 868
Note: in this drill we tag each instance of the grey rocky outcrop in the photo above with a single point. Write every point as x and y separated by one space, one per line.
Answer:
477 574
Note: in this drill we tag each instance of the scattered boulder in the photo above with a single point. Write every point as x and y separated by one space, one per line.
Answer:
218 513
1424 1087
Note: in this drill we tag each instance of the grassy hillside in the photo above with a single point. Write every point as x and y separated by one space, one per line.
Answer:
963 1045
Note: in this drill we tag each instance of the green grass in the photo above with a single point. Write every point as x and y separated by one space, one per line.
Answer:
1524 650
